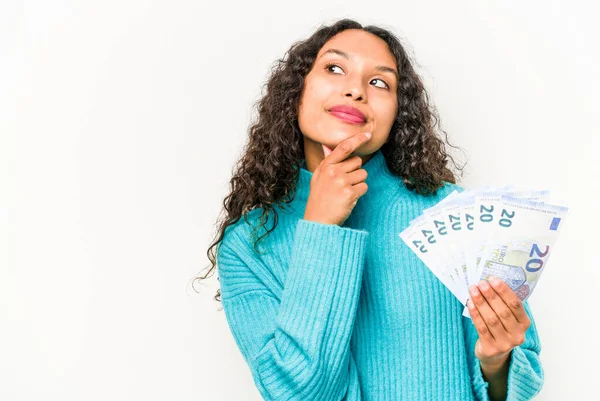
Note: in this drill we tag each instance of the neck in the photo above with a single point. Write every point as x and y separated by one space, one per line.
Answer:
381 181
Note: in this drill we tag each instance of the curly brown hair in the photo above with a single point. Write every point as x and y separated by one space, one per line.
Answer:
267 172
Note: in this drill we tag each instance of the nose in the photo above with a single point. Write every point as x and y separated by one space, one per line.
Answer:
355 94
354 89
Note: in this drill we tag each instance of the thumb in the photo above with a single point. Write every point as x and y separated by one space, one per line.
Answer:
326 150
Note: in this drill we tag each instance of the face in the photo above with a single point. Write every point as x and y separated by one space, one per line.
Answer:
354 68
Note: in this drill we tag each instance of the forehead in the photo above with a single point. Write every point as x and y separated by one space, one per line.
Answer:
361 45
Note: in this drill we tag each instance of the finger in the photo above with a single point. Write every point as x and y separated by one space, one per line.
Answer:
345 148
492 321
357 176
500 308
484 333
510 298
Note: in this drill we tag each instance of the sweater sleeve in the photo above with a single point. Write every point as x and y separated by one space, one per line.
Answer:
297 345
525 374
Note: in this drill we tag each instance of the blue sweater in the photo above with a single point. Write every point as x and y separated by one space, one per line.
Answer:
328 312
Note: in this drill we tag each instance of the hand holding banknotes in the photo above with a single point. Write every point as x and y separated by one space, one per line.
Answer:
486 232
500 319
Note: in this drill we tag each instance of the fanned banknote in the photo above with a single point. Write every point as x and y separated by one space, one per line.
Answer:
519 247
477 233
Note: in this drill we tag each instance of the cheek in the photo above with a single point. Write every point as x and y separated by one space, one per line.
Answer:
306 111
313 102
386 112
316 93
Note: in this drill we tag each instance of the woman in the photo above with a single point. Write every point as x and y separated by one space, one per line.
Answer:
343 156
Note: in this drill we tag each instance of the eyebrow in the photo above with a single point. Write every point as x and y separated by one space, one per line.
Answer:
345 55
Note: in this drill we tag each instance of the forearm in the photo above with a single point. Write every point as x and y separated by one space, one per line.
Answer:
496 375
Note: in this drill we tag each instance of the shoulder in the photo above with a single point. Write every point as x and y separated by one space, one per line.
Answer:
238 234
253 233
447 188
234 256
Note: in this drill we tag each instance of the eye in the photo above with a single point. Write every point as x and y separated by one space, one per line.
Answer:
385 83
327 66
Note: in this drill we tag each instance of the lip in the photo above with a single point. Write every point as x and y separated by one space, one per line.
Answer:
348 113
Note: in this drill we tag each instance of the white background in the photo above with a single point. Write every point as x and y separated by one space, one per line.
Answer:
120 123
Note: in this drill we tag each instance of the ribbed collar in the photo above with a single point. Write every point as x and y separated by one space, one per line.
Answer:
381 181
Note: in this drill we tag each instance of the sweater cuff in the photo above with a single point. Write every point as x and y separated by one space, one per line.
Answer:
480 385
326 262
523 381
323 284
522 384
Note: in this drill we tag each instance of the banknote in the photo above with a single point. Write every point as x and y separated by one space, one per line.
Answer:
473 234
489 212
421 240
440 226
520 244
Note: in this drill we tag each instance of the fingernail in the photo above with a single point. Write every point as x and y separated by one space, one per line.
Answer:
368 135
473 290
494 281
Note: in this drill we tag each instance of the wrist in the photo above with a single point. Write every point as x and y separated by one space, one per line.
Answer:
495 365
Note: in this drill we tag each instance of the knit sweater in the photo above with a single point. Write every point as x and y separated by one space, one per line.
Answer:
329 312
